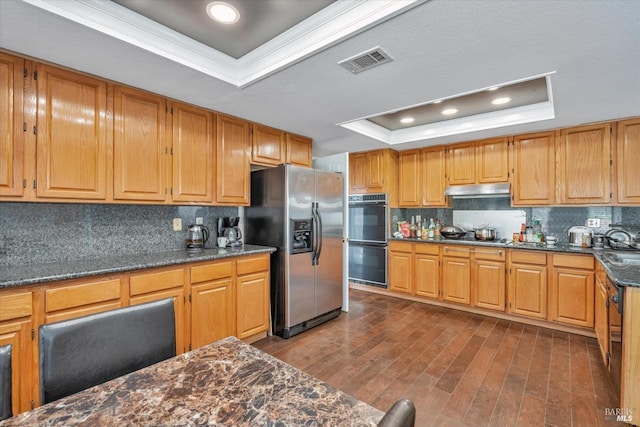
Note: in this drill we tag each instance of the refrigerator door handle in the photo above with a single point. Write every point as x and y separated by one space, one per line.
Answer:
319 252
316 234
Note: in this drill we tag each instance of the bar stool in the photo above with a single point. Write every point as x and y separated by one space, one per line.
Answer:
5 382
401 414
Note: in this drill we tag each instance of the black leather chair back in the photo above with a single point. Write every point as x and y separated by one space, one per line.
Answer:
80 353
401 414
5 382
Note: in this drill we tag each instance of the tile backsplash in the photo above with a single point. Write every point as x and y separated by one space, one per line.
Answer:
50 232
555 220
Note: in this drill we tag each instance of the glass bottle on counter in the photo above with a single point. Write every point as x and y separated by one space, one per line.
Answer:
419 229
437 233
431 232
412 228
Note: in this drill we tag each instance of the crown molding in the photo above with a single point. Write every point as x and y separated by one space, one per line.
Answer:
335 23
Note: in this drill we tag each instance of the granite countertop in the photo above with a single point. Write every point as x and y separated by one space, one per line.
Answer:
627 275
29 274
226 383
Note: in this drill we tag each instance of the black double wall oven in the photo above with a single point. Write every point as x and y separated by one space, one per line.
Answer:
368 222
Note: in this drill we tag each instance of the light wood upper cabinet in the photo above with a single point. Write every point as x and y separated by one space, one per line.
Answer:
375 172
478 162
11 120
461 164
357 173
268 146
72 135
422 177
140 147
299 150
492 161
627 160
410 182
434 173
192 150
583 155
232 160
533 160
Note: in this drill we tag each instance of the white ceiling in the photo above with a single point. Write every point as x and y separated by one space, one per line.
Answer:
441 48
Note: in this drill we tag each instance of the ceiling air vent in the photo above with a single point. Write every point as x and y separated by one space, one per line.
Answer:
365 60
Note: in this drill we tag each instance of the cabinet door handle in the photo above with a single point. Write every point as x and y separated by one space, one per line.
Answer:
447 249
489 252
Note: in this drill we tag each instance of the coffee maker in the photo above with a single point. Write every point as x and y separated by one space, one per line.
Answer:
228 227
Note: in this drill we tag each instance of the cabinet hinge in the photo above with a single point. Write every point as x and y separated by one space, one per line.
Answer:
35 130
509 304
24 183
171 191
171 151
606 302
35 75
189 297
189 347
24 126
33 404
607 355
33 334
610 196
610 162
35 183
25 72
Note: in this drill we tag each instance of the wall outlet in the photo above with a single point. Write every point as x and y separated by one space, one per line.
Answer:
177 224
593 222
199 220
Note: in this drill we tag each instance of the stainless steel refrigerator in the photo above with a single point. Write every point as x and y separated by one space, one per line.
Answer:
300 212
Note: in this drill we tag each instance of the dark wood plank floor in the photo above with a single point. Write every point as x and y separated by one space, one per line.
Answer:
458 368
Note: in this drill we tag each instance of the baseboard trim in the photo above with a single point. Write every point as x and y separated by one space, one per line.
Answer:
499 315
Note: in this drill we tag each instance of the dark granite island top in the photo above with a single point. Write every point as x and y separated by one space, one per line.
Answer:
28 274
227 383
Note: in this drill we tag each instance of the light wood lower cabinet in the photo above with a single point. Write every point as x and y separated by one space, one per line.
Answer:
158 285
212 302
572 298
16 328
252 291
456 274
528 284
76 298
427 270
401 267
489 279
601 313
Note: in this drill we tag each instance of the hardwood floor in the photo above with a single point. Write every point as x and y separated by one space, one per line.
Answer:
458 368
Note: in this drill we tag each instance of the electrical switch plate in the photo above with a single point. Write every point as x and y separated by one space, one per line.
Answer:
593 222
199 220
177 224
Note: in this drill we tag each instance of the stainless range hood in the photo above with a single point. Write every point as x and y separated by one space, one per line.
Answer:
478 190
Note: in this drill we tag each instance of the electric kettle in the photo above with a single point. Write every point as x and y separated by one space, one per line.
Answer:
197 236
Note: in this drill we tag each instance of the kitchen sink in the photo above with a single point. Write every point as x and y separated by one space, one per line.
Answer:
622 259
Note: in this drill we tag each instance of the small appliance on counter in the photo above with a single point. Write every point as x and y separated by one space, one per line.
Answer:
228 227
580 236
197 236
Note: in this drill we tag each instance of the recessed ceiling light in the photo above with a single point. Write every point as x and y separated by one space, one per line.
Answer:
499 101
449 111
491 89
437 101
223 12
407 120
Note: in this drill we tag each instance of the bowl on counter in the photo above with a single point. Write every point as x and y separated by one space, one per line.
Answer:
452 232
551 240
